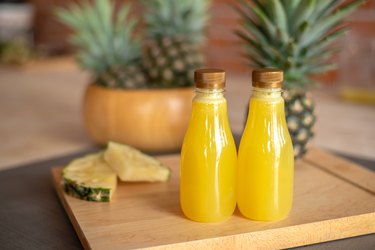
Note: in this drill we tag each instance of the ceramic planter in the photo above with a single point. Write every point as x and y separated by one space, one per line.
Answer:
152 120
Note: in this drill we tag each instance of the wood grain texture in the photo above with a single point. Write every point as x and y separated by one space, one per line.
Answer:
349 171
143 215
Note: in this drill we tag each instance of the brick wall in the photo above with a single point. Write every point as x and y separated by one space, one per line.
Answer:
222 49
49 33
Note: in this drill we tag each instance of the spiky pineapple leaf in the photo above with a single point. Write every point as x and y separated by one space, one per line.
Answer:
104 40
323 25
301 15
266 22
326 8
250 24
326 41
253 45
171 18
279 15
292 5
297 36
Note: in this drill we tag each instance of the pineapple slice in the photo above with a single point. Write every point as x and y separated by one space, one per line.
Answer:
132 165
90 178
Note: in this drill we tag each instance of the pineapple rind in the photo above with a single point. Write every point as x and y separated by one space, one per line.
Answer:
300 119
90 178
86 193
173 63
176 32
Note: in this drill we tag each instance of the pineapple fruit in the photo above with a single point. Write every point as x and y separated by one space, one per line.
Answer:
90 178
132 165
297 36
94 177
106 43
300 118
175 32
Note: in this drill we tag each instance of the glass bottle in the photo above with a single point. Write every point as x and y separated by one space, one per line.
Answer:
208 155
265 157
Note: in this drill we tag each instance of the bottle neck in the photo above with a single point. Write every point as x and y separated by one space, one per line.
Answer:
209 93
266 93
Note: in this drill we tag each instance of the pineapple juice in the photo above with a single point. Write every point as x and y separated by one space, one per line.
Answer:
208 161
265 159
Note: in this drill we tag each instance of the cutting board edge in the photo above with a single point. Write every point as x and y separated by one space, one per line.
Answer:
256 239
56 171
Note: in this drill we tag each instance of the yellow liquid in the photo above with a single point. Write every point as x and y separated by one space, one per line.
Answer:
208 162
265 161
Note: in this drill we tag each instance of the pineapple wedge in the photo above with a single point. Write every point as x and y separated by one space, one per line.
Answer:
90 178
132 165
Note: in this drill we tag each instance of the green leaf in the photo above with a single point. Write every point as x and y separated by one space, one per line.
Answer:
67 17
166 18
252 59
279 16
76 12
251 26
283 37
293 80
325 24
321 69
261 5
291 5
88 62
125 47
85 41
103 10
321 57
269 26
102 37
104 43
326 41
324 8
305 9
262 50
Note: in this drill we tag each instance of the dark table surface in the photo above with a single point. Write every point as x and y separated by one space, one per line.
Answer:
32 217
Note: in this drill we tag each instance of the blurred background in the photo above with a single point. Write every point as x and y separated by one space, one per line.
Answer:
49 36
41 87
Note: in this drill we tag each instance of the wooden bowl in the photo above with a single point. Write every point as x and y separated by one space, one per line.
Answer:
153 120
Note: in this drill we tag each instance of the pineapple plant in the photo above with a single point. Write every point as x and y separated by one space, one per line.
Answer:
299 37
90 178
175 33
119 61
106 43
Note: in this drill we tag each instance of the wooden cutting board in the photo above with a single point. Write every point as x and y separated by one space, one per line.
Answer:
333 199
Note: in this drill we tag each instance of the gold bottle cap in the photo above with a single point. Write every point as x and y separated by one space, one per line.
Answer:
267 78
209 78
